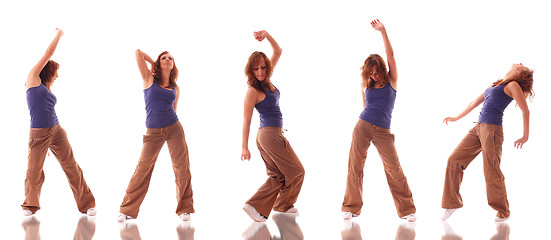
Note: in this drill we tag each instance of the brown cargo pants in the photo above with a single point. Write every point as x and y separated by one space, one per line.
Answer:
55 139
284 169
488 139
365 133
153 141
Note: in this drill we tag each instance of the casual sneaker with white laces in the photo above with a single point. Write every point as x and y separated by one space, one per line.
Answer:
255 215
123 217
185 216
91 212
448 213
349 215
410 218
498 219
27 212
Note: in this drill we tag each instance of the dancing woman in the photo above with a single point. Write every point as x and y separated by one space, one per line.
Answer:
161 100
285 170
46 133
379 93
487 137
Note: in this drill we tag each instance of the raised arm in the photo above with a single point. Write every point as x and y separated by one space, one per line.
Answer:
142 59
514 89
472 105
33 79
263 34
392 70
250 101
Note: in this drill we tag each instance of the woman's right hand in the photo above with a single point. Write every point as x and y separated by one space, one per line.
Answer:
450 119
245 154
377 25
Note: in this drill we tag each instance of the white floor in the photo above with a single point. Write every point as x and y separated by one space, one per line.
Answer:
308 225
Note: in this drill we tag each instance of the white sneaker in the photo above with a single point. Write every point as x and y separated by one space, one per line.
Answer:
448 213
123 217
410 218
27 212
498 219
251 211
291 210
349 215
185 217
91 212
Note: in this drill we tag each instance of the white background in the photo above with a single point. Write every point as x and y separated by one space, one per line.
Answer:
447 54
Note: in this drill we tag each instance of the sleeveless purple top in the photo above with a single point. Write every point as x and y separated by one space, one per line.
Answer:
270 114
379 103
495 102
159 106
41 103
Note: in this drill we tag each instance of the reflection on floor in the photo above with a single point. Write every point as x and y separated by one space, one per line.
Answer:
352 231
286 223
502 233
86 228
129 230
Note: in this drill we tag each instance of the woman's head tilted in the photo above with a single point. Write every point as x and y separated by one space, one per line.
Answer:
165 62
49 73
524 76
374 70
259 70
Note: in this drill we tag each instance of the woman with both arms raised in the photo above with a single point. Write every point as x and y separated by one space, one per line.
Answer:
161 100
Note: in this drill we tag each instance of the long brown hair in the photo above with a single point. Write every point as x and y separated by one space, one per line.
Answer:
525 80
47 73
251 79
377 62
157 71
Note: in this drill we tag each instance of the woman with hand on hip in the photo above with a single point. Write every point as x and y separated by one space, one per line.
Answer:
378 96
284 169
487 137
161 100
46 133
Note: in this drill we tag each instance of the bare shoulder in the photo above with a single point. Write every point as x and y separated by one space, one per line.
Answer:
252 91
513 88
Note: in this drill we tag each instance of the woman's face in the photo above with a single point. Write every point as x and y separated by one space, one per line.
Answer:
167 61
374 75
515 71
259 71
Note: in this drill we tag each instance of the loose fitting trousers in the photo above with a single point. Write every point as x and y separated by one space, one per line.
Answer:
153 141
488 139
365 133
55 139
284 169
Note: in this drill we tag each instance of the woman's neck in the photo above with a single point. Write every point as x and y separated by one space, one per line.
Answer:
165 77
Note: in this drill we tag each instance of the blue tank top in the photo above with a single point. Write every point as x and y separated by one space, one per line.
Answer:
379 103
159 106
270 114
41 103
495 102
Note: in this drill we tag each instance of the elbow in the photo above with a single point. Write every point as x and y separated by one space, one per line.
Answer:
526 113
278 51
